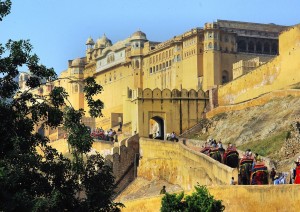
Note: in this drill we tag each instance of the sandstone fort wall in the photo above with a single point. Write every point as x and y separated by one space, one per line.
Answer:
277 74
283 198
177 164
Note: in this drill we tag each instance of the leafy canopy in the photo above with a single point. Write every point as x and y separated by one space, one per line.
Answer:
30 181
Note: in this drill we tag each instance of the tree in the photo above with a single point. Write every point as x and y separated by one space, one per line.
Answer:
200 200
30 181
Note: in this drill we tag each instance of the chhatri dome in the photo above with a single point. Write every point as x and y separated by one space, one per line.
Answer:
138 35
77 62
103 42
90 41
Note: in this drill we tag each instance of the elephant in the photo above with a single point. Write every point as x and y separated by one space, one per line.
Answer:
245 171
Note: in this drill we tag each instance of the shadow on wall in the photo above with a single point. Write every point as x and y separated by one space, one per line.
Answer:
124 161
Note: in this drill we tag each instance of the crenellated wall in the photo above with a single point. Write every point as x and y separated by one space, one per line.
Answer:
177 164
179 109
283 198
123 161
277 74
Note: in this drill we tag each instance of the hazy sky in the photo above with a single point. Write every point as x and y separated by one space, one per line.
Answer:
58 29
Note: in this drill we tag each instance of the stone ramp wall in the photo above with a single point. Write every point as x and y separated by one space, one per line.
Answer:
177 164
123 161
283 198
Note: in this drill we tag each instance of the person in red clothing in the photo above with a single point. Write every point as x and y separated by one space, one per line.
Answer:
297 175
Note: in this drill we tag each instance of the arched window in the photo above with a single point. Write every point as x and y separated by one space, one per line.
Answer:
258 47
216 46
75 88
266 47
251 47
210 45
225 77
242 46
274 48
137 64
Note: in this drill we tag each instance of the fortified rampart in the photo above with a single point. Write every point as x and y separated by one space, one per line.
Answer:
260 100
277 74
124 161
177 164
283 198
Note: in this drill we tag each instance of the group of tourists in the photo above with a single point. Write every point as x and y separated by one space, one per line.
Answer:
109 135
172 137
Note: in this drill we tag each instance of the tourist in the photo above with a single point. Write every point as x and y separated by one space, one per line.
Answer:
220 145
272 175
232 181
163 190
173 137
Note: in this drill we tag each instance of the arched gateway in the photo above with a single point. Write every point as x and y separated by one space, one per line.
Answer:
165 111
156 128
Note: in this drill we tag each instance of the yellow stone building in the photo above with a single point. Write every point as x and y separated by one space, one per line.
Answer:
175 74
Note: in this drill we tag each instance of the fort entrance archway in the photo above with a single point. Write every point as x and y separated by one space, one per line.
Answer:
156 128
171 110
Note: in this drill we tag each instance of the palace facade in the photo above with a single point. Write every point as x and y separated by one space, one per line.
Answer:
181 69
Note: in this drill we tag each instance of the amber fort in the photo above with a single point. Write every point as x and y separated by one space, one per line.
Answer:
160 87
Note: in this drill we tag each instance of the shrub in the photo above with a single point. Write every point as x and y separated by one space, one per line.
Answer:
200 200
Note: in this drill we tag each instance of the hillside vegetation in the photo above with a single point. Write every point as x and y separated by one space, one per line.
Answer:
271 130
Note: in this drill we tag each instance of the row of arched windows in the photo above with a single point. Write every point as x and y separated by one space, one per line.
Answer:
160 67
161 56
261 47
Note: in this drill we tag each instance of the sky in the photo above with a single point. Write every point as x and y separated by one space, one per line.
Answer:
58 29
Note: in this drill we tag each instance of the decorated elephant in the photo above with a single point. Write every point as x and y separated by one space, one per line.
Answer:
245 171
231 158
215 154
259 175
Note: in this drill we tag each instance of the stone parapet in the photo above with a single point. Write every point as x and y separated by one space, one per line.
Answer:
177 164
260 100
237 198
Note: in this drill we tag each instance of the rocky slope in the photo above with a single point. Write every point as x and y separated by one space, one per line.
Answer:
271 129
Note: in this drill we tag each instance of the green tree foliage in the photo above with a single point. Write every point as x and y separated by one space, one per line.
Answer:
30 181
200 200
